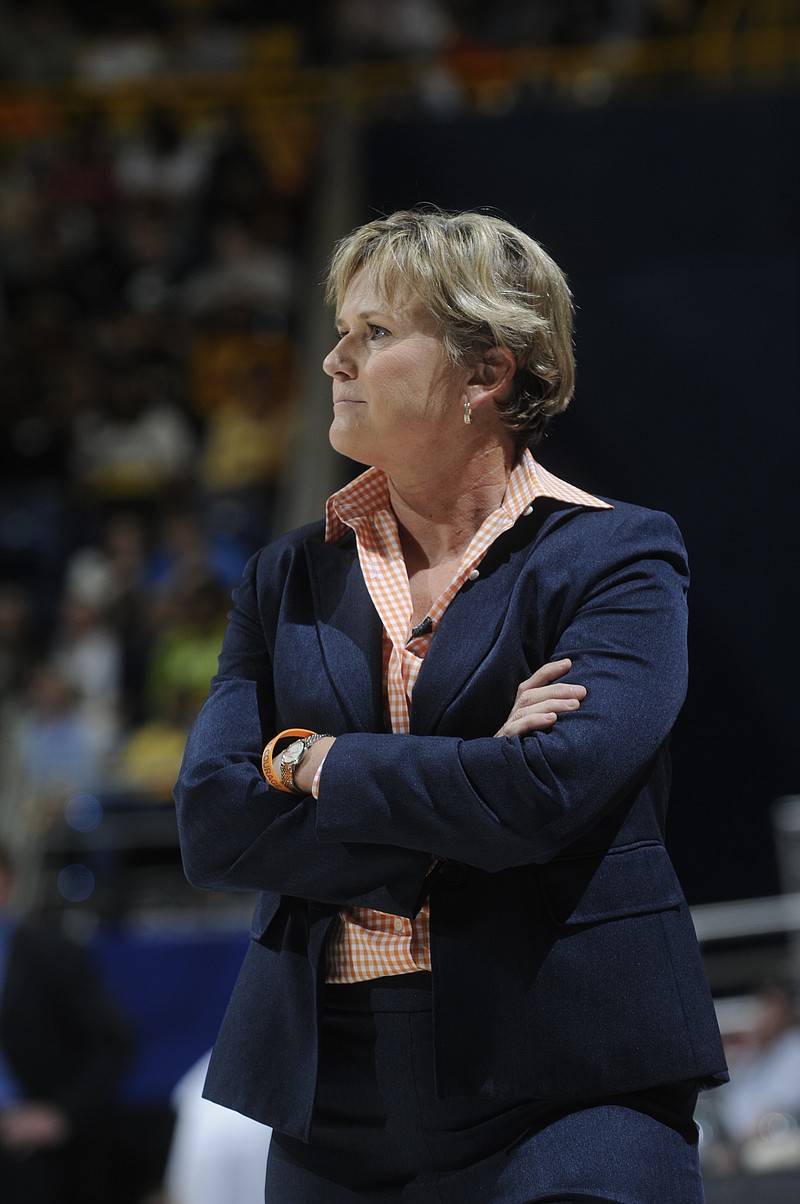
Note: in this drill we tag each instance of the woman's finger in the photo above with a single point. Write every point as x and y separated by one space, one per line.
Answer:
546 674
558 690
531 722
539 713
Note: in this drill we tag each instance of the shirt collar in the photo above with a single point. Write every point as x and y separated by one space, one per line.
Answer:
369 493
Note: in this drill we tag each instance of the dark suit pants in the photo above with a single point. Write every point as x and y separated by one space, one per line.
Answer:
380 1134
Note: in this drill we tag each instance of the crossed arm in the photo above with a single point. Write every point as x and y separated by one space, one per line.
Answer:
387 802
539 700
232 840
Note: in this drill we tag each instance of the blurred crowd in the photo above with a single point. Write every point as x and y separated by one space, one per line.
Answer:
147 351
47 40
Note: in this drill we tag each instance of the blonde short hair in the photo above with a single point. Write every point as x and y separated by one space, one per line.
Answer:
488 285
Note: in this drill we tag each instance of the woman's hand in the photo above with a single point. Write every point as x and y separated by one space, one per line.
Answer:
540 699
305 772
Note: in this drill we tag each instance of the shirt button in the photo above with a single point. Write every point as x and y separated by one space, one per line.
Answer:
398 924
473 576
528 510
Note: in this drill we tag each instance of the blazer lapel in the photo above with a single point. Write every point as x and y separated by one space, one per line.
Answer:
349 631
472 622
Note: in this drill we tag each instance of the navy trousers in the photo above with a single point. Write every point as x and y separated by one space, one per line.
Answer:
380 1134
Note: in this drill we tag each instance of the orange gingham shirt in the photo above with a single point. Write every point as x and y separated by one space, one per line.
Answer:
367 944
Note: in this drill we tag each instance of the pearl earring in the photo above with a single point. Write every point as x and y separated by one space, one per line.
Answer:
467 413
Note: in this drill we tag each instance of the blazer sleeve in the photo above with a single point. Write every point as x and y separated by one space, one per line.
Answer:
497 803
236 832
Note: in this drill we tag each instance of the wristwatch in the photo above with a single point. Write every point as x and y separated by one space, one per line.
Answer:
293 755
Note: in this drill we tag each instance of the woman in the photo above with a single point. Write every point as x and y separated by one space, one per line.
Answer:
437 745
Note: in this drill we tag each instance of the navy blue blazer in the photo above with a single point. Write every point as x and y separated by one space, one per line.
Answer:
564 959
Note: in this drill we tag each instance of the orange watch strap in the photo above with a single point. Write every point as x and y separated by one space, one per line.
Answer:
267 767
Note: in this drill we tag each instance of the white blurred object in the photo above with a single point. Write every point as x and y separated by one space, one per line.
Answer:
777 1147
762 1086
217 1156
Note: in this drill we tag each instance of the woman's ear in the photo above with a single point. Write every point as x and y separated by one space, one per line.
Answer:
491 376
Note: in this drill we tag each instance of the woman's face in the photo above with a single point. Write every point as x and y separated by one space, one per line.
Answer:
396 395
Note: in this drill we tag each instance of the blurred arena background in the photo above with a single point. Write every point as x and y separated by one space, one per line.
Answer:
173 174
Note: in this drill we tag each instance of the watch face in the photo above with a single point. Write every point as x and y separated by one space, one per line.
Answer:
293 753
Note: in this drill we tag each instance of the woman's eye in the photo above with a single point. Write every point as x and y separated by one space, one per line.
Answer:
378 332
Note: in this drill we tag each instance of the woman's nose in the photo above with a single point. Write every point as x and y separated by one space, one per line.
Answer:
337 363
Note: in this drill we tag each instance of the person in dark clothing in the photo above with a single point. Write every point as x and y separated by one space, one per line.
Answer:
63 1048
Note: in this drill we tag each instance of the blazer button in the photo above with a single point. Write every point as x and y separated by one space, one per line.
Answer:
452 873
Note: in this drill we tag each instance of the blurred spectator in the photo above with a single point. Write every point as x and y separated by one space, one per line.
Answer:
184 654
62 265
242 272
55 753
153 253
237 184
419 31
186 552
139 444
245 447
149 758
164 162
128 48
122 556
86 651
395 28
760 1107
63 1048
